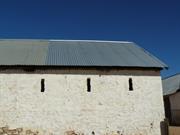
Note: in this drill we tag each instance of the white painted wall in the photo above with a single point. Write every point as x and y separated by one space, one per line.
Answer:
66 105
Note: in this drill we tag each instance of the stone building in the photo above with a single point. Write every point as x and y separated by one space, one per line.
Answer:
171 92
79 87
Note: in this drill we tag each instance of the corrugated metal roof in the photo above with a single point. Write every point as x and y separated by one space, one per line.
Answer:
23 52
75 53
83 53
171 84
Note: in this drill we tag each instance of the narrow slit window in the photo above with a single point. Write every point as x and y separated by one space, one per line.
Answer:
130 84
42 85
88 85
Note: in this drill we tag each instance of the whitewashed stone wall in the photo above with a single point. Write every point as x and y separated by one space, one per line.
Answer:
110 108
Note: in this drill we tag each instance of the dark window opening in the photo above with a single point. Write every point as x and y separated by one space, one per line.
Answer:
130 84
88 85
42 85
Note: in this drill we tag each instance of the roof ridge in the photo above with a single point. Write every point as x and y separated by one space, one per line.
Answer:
110 41
176 74
24 39
70 40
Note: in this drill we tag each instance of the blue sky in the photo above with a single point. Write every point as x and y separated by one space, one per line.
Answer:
153 24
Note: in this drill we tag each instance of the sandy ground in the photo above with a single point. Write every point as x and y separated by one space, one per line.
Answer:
174 130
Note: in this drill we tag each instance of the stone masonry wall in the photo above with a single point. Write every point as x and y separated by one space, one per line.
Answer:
67 108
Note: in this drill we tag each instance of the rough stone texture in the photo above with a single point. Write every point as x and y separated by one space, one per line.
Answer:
66 107
20 131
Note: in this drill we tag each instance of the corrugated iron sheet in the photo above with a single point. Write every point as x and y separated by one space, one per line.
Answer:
171 84
75 53
23 52
83 53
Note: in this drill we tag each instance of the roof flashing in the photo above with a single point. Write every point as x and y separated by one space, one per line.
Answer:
97 41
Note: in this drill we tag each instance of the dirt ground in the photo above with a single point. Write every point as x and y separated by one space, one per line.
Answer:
174 130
